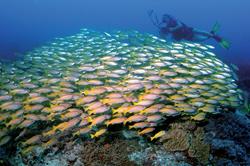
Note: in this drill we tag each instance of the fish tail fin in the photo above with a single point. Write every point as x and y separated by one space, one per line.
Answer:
141 113
51 116
89 119
113 110
215 28
92 136
76 134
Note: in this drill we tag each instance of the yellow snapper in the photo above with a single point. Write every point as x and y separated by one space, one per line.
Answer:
158 135
146 131
98 133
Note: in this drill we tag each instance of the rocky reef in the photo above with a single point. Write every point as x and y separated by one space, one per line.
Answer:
222 140
229 137
189 138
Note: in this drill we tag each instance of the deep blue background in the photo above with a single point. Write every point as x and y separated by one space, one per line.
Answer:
25 24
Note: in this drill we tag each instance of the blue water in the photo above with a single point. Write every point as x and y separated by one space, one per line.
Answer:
29 23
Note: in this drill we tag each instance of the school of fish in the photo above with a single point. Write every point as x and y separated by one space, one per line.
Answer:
79 86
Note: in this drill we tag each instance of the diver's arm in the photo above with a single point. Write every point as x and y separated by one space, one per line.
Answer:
179 25
172 29
154 19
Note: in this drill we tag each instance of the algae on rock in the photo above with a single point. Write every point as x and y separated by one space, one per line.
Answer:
182 138
199 149
177 140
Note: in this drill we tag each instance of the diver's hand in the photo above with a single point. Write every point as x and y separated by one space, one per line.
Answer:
150 12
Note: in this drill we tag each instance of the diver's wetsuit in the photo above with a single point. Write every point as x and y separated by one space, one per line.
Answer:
178 29
183 32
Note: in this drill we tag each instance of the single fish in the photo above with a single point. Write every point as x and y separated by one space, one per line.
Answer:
85 100
33 140
146 131
139 125
98 120
135 109
114 121
95 91
158 135
199 117
82 131
99 110
4 140
135 118
154 118
112 101
98 133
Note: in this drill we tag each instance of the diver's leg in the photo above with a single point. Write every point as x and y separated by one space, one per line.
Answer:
200 36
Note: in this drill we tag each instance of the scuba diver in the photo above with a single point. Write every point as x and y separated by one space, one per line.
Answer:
180 31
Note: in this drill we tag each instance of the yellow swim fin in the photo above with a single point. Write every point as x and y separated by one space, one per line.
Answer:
224 43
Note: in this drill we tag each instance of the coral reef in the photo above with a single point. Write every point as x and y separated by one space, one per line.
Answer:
94 153
157 156
3 157
111 151
113 154
187 137
229 136
176 140
222 140
199 149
